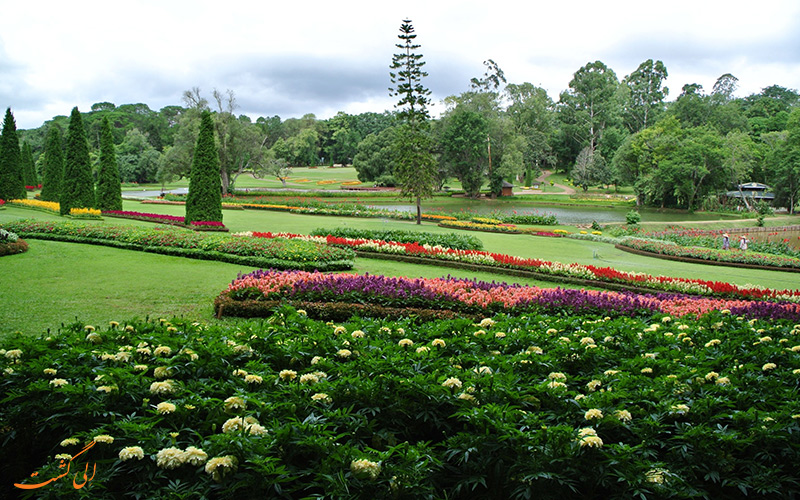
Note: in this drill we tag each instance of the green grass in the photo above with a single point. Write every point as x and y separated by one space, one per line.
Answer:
57 282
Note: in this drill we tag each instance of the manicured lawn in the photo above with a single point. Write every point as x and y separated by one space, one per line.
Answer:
57 282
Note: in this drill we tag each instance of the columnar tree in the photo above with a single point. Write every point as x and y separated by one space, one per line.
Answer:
109 186
53 165
12 185
204 202
415 169
77 185
28 168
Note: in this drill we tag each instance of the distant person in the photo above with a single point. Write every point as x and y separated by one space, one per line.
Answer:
726 242
743 243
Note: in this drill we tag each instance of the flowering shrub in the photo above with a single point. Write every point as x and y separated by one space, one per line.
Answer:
147 217
278 253
469 296
571 405
449 240
11 244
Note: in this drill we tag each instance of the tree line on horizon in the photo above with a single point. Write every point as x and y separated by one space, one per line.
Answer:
602 131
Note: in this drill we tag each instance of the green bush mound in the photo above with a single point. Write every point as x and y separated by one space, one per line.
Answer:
447 240
275 253
538 406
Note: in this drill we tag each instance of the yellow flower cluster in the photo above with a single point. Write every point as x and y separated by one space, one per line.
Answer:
365 468
219 467
84 212
48 206
131 452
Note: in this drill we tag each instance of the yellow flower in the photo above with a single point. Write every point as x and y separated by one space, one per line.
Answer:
321 396
623 415
195 456
107 388
655 476
452 382
557 376
94 338
590 441
287 374
343 353
365 468
593 414
253 379
170 458
161 372
58 382
316 359
712 376
769 366
309 378
405 343
165 408
165 387
69 442
140 368
593 385
441 343
131 452
162 350
357 334
50 371
103 438
219 467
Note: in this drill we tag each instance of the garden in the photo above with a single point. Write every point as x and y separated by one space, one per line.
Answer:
363 357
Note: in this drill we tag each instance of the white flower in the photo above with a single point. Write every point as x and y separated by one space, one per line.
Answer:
287 374
195 456
365 468
321 396
165 408
170 458
452 382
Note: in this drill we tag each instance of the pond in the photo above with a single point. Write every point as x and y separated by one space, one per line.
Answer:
565 215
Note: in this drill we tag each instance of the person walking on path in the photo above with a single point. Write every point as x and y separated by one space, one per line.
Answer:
743 243
726 242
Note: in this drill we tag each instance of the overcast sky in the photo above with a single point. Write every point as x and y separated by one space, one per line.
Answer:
289 58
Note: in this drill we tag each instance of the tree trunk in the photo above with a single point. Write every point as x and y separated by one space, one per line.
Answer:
419 210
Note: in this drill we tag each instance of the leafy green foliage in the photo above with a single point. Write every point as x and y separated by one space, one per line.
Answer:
28 168
204 202
632 218
477 413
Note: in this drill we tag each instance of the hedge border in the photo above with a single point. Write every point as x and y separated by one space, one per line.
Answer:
253 261
692 260
224 306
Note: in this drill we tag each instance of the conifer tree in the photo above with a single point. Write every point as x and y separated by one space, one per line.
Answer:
204 202
77 185
414 164
109 186
28 168
53 164
12 185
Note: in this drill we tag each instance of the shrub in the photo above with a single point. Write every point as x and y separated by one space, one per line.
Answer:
632 218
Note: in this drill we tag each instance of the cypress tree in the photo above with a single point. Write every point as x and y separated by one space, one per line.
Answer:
77 185
53 164
12 184
28 168
109 186
204 202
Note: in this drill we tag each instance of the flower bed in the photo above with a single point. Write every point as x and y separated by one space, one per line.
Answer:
43 206
467 296
734 258
544 269
85 213
277 253
167 219
537 406
11 244
225 206
448 240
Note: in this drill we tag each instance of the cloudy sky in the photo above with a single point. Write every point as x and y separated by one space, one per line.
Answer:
289 58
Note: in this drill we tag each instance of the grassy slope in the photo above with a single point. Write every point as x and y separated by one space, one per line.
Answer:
55 282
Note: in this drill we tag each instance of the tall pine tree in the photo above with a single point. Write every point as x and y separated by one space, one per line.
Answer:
109 186
28 168
53 164
414 165
204 202
12 185
77 185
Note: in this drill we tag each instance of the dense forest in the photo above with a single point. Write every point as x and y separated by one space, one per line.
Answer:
602 131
